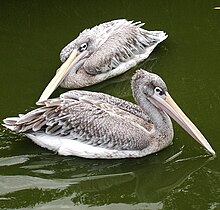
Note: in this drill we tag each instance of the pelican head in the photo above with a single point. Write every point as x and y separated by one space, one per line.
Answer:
155 90
102 52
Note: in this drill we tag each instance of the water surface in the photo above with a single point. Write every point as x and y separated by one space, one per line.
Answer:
183 176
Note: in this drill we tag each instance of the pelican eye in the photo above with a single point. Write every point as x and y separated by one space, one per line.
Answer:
159 91
83 47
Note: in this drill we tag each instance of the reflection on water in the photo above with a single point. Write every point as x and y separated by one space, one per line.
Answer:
151 181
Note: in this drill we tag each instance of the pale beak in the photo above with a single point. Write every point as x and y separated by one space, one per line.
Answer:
172 109
61 74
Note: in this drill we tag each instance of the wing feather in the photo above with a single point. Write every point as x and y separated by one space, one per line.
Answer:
94 118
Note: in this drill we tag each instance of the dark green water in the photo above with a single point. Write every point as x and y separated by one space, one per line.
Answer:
183 176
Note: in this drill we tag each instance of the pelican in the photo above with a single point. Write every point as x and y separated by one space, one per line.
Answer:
96 125
103 52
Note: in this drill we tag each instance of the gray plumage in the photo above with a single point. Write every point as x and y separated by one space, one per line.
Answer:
113 48
121 128
97 125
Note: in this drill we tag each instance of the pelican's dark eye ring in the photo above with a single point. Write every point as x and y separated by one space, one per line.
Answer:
83 47
159 91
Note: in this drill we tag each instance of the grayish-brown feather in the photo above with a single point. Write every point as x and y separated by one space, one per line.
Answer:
94 118
114 47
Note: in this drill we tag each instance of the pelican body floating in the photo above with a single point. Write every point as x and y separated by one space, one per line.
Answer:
103 52
96 125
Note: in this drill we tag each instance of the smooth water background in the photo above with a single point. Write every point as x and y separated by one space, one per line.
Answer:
183 176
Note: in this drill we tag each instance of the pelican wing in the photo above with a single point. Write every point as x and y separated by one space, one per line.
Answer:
124 42
93 118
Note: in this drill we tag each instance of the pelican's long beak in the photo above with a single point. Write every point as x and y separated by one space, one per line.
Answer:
172 109
73 59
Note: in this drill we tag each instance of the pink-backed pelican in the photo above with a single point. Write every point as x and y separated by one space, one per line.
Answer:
96 125
102 52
